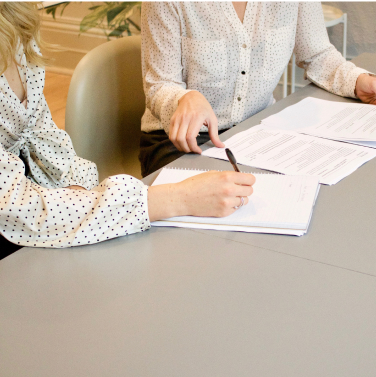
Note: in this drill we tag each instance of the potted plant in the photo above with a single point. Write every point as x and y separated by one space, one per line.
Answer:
109 16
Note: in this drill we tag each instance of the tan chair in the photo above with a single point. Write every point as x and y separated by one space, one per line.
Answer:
105 105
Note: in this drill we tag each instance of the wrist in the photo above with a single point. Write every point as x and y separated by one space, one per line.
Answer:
188 95
360 77
181 199
166 201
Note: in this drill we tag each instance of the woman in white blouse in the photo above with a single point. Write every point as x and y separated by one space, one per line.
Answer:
49 196
210 65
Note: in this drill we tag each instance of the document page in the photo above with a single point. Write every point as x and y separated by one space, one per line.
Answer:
292 153
327 119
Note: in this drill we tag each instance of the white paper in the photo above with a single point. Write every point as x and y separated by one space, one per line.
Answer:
279 204
231 228
351 122
289 152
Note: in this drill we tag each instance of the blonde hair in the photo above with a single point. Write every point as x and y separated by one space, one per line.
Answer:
19 22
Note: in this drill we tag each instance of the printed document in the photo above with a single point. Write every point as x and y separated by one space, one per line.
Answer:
350 122
289 152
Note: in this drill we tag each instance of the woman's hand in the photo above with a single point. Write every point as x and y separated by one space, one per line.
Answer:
213 194
192 113
365 88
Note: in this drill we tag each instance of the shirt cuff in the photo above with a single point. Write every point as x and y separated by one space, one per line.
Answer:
82 173
144 198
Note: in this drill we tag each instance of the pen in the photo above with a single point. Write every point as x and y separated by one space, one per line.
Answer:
232 159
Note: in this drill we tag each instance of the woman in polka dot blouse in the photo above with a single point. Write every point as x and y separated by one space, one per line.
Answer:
48 195
210 65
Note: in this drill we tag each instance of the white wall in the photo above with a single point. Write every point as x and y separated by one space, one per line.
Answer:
361 29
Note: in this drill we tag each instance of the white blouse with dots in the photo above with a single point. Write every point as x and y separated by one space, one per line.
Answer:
37 210
204 46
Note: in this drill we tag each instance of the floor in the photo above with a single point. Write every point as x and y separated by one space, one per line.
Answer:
56 93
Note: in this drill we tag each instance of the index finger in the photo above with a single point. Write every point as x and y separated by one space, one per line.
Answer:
193 129
213 132
245 179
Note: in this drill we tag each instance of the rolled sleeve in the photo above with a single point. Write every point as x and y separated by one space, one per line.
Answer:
323 64
32 215
161 60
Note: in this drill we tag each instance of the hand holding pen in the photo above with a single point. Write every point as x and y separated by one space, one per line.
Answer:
232 160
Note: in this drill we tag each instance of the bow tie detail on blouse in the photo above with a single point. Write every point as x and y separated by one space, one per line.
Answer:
50 150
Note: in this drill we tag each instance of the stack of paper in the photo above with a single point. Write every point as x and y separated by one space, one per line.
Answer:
279 204
350 122
290 152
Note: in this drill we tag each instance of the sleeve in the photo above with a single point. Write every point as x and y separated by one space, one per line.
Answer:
161 59
323 64
50 154
31 215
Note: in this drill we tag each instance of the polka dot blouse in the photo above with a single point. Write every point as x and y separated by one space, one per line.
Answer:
38 210
204 46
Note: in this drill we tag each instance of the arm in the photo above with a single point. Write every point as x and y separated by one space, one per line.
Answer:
212 194
31 215
53 161
161 59
48 150
324 65
181 111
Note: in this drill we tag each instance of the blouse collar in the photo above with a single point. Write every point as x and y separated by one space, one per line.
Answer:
32 80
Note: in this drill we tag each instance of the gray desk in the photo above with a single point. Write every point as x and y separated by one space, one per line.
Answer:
178 302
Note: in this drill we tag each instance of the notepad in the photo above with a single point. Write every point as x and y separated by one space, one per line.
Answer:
280 204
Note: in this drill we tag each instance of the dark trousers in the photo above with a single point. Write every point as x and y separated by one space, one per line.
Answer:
156 150
6 247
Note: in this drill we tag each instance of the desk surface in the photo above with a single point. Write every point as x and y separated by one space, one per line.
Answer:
179 302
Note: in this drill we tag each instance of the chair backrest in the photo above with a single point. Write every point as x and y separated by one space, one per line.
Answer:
105 105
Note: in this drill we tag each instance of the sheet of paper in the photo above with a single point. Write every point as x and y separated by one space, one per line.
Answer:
278 202
333 120
289 152
232 228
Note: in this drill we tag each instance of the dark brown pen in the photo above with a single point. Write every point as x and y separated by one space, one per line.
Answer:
232 159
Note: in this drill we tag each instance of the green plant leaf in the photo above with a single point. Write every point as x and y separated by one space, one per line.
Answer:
115 13
134 24
122 17
112 13
94 18
64 5
118 32
52 11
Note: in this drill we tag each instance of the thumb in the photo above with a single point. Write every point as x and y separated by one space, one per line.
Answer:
213 132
